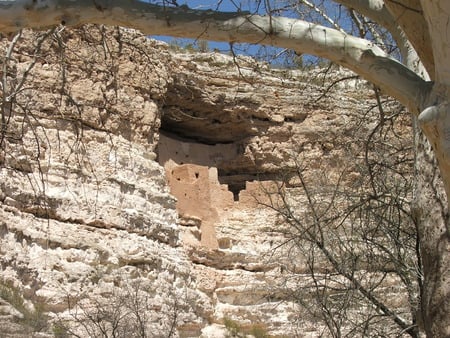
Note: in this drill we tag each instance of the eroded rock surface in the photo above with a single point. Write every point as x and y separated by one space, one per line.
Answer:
125 163
85 206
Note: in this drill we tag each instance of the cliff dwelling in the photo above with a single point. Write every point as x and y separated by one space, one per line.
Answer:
184 151
202 197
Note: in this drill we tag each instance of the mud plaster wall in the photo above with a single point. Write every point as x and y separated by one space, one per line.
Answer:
193 179
199 197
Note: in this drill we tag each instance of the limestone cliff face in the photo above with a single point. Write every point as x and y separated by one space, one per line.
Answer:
85 207
245 119
125 163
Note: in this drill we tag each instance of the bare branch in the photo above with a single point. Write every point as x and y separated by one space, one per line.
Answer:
322 13
357 54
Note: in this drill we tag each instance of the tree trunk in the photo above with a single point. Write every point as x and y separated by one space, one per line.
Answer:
430 209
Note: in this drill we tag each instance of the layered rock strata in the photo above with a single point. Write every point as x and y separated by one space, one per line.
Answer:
129 166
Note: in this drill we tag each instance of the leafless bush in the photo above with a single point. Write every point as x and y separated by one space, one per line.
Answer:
130 310
30 142
351 241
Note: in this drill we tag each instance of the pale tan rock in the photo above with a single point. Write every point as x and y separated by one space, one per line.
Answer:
138 164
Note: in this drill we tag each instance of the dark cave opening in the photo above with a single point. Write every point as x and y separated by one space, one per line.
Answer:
235 188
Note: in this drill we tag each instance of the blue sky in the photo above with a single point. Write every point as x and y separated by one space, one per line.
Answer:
265 53
224 6
261 52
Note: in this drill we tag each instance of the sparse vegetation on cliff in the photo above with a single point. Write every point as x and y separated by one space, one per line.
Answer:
352 232
236 330
32 316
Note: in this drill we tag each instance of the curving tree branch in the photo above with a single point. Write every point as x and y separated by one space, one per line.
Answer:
360 55
379 12
409 16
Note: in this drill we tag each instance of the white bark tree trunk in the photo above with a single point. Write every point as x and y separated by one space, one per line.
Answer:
432 185
431 206
408 15
430 212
